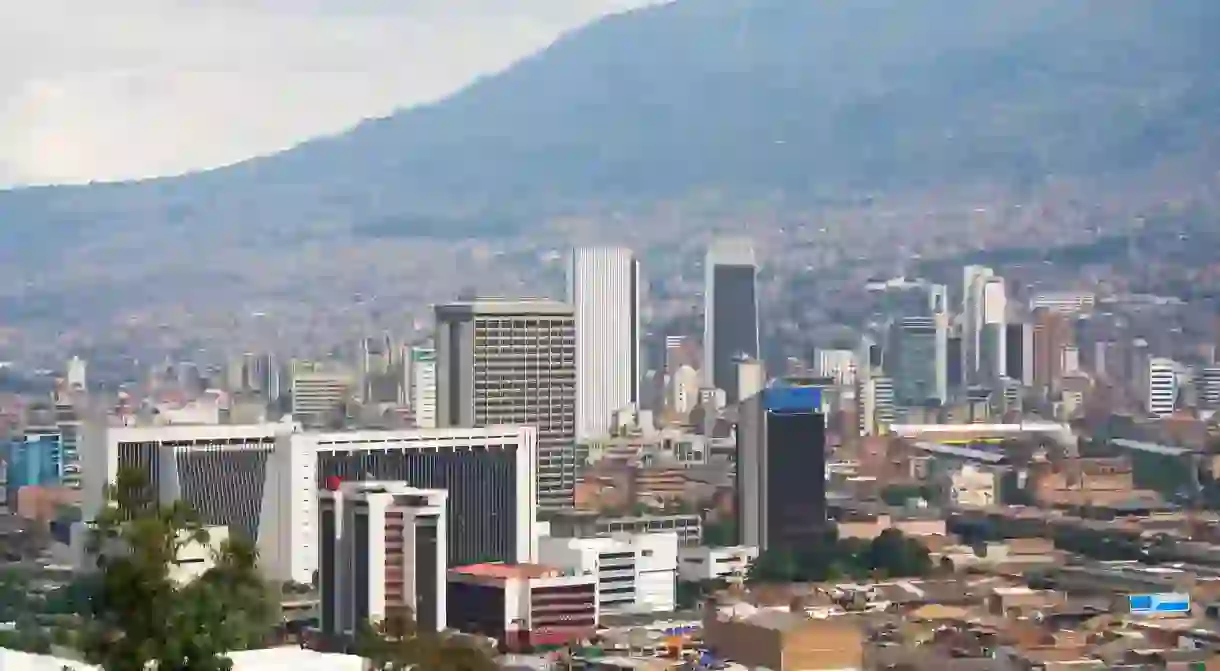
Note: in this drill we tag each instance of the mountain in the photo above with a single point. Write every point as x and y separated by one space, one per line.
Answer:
810 98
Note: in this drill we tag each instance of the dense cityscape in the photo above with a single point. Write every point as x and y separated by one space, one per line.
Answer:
982 469
610 335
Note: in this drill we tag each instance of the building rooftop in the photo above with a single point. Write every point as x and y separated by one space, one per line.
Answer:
508 571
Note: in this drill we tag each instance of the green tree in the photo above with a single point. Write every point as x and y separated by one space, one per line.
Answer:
138 614
398 644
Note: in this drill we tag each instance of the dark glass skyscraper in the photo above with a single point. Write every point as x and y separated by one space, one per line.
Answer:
781 468
730 317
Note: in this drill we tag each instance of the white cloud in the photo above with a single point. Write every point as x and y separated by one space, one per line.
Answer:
134 88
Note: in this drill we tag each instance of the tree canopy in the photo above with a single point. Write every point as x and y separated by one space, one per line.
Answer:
398 644
891 554
138 613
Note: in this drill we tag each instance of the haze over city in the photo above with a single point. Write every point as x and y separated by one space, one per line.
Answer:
703 335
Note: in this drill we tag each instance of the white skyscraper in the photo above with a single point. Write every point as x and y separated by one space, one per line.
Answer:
992 337
604 290
1162 387
422 376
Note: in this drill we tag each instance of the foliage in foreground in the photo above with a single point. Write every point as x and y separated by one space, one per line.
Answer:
398 644
138 614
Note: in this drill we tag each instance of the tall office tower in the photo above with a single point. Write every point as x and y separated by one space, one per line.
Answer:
512 362
954 360
1019 353
319 396
973 280
877 406
1162 387
76 376
992 331
918 360
422 385
730 311
67 425
781 468
34 459
382 552
837 364
1052 332
604 290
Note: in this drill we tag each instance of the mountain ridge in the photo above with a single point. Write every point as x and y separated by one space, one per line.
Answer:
806 99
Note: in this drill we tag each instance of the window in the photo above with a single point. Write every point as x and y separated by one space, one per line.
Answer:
645 553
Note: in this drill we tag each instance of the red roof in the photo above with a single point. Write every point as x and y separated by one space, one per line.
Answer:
507 571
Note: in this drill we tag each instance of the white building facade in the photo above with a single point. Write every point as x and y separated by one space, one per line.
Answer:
263 480
699 564
604 290
1162 386
383 548
636 573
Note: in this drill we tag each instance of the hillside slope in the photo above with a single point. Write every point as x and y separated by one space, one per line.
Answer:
809 98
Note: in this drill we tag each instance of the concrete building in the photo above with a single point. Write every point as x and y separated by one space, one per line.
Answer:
523 605
781 640
698 564
262 481
319 396
513 362
382 550
837 364
730 313
1162 386
581 524
636 573
781 468
604 291
422 394
973 486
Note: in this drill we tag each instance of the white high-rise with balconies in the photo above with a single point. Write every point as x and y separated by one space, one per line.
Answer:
604 290
1162 386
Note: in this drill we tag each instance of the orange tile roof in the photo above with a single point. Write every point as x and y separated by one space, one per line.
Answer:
507 571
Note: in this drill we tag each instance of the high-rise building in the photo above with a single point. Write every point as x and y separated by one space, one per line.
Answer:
1162 387
1052 333
781 468
76 377
32 460
513 362
604 290
990 339
319 394
839 364
382 552
918 360
422 385
973 280
878 409
262 481
730 312
1019 353
1209 388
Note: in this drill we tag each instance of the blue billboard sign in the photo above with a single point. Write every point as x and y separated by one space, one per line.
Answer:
792 399
1158 604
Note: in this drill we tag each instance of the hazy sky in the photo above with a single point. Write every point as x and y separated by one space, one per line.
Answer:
116 89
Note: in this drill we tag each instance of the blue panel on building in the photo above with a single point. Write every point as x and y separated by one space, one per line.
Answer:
789 399
1147 604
